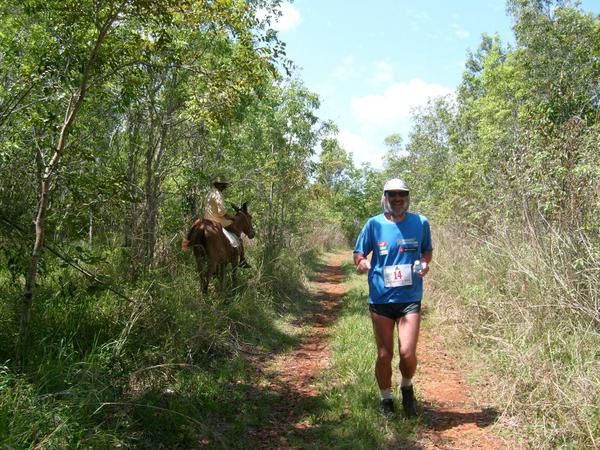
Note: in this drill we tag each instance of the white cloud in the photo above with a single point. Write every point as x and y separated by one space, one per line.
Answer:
384 72
395 103
418 15
460 32
345 68
362 150
290 18
423 17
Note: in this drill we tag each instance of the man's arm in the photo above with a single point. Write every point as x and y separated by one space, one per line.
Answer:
361 262
219 205
426 260
427 256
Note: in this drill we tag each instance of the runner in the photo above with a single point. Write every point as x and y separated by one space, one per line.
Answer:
400 246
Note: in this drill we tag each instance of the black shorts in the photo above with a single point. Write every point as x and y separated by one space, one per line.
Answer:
395 311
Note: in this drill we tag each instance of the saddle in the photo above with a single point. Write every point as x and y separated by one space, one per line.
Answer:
233 239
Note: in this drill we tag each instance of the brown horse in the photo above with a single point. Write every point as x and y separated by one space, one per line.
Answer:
211 246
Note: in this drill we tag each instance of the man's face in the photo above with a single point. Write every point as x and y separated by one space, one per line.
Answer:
398 200
221 186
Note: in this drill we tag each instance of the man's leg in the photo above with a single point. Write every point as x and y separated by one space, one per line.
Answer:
408 335
238 244
383 329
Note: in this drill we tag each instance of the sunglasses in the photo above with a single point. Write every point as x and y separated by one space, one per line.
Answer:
396 193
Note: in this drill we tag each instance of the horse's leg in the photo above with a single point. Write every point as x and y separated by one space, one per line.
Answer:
205 278
222 277
234 282
235 263
210 270
198 258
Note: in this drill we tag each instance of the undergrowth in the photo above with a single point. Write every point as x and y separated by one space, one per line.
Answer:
166 369
171 368
529 303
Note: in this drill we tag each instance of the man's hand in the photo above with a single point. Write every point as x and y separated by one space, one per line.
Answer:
363 266
425 261
424 270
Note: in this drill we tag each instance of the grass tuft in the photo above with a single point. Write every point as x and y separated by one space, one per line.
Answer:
532 302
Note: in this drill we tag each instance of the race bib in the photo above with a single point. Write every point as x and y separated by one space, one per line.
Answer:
398 275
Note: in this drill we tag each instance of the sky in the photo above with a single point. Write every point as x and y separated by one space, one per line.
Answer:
372 62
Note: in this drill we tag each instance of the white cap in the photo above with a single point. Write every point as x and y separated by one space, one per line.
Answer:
395 184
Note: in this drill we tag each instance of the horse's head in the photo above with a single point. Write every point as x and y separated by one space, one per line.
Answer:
243 220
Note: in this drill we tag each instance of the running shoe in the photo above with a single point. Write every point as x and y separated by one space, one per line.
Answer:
409 404
386 408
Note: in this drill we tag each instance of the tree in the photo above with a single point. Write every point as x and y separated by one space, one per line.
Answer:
71 76
69 58
334 166
557 61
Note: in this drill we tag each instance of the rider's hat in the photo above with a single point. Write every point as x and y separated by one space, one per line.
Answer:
220 180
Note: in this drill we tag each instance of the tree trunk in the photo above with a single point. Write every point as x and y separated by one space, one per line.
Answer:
40 227
36 256
41 217
149 206
154 162
281 225
155 170
91 228
130 223
269 244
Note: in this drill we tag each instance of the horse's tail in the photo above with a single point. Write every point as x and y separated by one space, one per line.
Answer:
195 237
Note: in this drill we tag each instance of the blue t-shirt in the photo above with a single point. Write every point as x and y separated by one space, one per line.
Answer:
395 247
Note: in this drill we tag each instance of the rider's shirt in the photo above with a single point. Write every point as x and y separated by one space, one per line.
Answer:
215 208
394 248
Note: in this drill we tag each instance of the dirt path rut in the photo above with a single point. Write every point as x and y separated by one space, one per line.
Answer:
450 418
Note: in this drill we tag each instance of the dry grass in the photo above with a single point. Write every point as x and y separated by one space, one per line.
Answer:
529 301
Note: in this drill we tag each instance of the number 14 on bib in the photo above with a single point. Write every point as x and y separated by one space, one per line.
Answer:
397 275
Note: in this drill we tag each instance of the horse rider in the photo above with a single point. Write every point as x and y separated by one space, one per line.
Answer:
215 211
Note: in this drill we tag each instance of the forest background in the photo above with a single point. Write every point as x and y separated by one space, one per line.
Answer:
115 116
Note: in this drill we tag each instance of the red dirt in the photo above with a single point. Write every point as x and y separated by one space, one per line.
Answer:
450 418
292 374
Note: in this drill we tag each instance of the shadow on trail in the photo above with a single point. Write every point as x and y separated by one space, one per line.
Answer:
299 302
297 413
322 306
439 420
327 273
298 421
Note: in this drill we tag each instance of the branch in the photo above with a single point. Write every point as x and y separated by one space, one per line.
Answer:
12 104
69 261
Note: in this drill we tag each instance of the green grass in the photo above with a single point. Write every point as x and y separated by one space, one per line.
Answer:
348 416
167 370
171 369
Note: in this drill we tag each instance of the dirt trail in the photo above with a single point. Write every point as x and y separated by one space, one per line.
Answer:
291 374
450 418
